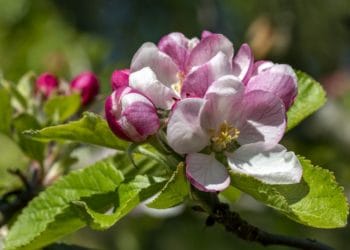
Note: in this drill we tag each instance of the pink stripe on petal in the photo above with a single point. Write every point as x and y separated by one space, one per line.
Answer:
176 45
262 118
206 173
207 48
280 80
161 64
200 78
143 117
242 64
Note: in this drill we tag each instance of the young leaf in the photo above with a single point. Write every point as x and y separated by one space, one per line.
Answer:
91 129
5 111
42 211
174 191
310 98
26 85
316 201
34 149
60 108
13 158
128 195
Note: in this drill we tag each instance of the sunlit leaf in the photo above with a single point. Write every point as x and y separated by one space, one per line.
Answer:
91 129
174 191
60 108
316 201
310 98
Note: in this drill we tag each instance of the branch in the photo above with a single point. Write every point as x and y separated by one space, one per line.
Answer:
221 214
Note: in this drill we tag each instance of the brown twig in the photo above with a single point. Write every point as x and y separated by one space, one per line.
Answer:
221 214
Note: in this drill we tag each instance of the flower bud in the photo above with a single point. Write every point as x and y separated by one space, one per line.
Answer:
120 78
131 115
87 84
46 84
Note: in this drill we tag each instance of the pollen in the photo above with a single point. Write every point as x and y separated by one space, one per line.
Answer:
224 137
178 85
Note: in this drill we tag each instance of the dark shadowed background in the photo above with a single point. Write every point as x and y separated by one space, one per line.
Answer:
66 37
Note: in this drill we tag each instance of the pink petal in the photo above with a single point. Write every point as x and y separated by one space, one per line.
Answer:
260 66
272 165
209 47
223 96
206 173
205 34
175 45
262 119
184 133
280 80
200 78
161 64
120 78
243 62
130 115
145 81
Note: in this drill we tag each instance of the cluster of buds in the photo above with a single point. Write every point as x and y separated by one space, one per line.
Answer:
225 111
85 83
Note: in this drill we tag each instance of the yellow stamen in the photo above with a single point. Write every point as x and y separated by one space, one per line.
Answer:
177 86
224 137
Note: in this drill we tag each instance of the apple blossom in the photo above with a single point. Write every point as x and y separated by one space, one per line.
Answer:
120 78
87 85
130 115
179 67
46 84
244 127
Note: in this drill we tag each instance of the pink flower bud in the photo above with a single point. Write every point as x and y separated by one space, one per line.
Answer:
131 115
46 83
87 84
120 78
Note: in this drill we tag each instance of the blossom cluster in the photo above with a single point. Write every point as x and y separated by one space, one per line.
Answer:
223 112
86 84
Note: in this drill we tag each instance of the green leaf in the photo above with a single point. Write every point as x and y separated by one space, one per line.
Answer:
310 98
174 192
26 85
13 158
60 108
316 201
128 196
5 111
49 213
34 149
91 129
17 100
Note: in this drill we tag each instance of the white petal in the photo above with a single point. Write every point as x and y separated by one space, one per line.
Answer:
206 173
147 83
223 96
160 63
184 133
272 165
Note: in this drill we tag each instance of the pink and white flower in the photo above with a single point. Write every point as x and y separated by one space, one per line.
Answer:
87 85
278 79
120 78
179 67
46 84
131 115
244 126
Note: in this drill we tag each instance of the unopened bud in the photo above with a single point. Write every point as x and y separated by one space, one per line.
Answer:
87 84
46 84
120 78
131 115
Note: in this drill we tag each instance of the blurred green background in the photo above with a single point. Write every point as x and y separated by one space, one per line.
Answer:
66 37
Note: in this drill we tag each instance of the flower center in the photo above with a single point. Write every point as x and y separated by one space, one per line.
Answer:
178 85
224 137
